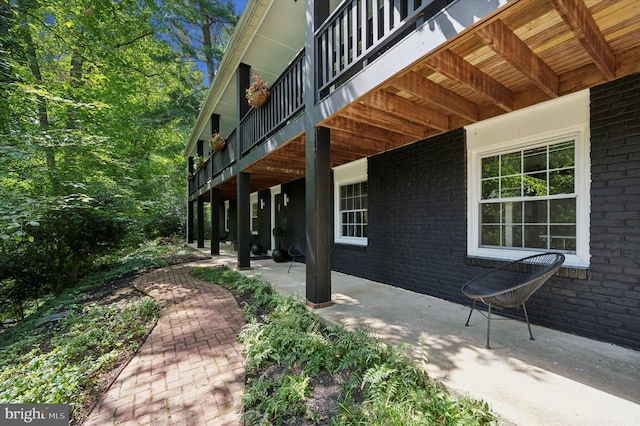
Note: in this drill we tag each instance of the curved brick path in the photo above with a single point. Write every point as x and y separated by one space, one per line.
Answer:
190 370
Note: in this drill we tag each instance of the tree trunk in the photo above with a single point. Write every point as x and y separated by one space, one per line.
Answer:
206 40
43 117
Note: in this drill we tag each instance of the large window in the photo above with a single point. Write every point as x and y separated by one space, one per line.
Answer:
528 185
351 203
531 197
353 210
528 198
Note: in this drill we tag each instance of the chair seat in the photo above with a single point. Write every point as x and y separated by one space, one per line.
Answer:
512 284
297 251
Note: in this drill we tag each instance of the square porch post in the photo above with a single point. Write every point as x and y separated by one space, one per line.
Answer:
215 221
318 212
200 222
244 218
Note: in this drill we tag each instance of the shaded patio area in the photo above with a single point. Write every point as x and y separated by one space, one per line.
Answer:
558 379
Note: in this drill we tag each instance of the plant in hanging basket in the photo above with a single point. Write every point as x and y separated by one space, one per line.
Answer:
258 92
217 142
198 162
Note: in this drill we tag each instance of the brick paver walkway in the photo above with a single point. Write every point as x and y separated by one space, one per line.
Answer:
190 370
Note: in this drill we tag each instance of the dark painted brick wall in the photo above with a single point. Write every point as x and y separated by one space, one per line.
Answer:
293 214
612 294
417 225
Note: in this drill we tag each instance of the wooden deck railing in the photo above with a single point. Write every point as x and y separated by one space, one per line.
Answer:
357 30
286 100
355 33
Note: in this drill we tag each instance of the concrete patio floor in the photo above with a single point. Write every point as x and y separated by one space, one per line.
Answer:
558 379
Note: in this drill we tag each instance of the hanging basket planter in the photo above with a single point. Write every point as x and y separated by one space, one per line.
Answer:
217 142
258 93
198 163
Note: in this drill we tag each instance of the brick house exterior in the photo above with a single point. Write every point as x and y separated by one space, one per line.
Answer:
402 132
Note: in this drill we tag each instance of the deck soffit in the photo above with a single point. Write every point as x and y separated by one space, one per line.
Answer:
525 53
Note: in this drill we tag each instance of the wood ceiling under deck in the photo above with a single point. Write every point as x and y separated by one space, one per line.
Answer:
527 52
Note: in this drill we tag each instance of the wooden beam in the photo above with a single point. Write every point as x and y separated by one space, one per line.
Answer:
499 37
401 107
455 67
358 130
577 16
375 117
435 94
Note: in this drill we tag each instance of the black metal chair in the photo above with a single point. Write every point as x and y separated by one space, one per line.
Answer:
511 285
296 251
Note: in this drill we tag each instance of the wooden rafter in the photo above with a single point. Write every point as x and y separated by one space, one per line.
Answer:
455 67
577 16
396 105
384 120
505 43
359 130
435 94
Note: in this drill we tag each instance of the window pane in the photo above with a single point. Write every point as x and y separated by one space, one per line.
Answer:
490 189
562 181
510 187
535 236
535 211
490 213
535 159
562 155
490 167
563 237
535 185
562 211
512 212
510 164
512 236
490 235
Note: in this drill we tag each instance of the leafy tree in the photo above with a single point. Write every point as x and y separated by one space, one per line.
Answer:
199 29
97 100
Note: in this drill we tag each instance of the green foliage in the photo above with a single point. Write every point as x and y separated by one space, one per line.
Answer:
87 341
288 346
71 235
271 401
57 354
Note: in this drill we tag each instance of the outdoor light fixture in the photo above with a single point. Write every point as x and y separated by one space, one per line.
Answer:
286 199
261 203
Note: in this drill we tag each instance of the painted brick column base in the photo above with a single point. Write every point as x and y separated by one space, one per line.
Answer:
318 305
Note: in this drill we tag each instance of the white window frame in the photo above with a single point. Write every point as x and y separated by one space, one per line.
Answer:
554 121
348 174
226 216
253 199
581 257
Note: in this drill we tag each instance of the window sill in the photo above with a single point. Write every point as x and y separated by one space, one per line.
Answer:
352 247
564 271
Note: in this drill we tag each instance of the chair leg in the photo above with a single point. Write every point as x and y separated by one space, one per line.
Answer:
470 312
524 308
488 327
291 264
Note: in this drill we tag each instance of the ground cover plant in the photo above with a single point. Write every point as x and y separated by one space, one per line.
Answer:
73 345
301 371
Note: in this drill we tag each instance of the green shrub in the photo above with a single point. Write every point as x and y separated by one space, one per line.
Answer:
86 342
287 347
